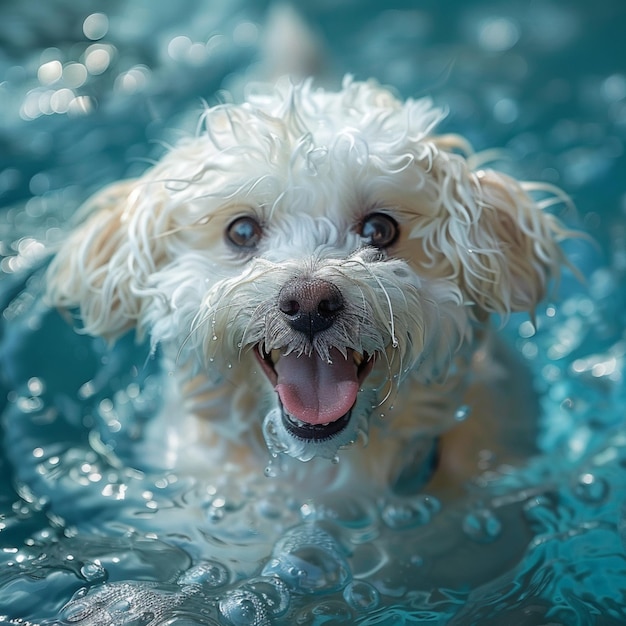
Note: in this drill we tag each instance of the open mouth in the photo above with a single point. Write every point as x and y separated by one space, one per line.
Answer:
316 396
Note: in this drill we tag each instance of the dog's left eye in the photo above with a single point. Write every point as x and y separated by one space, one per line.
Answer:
244 232
379 230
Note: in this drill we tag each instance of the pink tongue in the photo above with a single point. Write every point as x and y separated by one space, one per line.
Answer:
314 391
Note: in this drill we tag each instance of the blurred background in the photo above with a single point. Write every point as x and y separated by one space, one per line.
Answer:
89 90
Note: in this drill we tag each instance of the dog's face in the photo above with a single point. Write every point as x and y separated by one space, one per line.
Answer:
321 249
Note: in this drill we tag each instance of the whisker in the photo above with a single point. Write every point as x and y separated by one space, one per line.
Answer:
195 326
247 328
394 340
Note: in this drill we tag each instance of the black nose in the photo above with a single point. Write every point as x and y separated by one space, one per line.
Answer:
310 305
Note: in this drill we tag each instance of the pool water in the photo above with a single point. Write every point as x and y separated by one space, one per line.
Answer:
95 530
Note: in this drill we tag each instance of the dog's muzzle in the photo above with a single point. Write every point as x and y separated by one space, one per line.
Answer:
316 395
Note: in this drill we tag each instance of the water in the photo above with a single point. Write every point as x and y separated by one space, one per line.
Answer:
93 530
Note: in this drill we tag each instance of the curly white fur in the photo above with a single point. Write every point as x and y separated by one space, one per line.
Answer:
309 166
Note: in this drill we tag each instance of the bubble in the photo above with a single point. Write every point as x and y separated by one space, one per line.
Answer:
87 390
61 99
98 58
178 47
482 526
29 405
36 386
498 34
273 591
271 470
506 111
93 572
39 184
309 560
614 88
75 75
591 489
410 512
367 559
244 608
245 34
361 595
50 72
96 26
351 512
215 514
329 612
133 80
208 573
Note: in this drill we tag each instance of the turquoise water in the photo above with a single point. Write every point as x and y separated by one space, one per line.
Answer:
94 531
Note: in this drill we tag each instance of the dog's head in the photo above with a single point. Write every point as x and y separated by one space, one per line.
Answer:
328 244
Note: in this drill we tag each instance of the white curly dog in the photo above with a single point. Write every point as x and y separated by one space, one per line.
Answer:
318 268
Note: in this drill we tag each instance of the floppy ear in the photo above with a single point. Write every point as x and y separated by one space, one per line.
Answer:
513 246
491 236
93 270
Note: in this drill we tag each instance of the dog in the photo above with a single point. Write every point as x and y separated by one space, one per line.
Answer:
319 269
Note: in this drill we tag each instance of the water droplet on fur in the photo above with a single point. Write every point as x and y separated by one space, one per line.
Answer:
361 596
462 413
482 526
591 489
214 338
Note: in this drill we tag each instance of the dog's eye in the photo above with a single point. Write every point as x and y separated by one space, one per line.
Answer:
379 230
244 232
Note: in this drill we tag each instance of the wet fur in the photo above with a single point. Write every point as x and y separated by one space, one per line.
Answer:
310 165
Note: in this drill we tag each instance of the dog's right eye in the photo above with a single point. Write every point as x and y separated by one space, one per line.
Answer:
244 232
